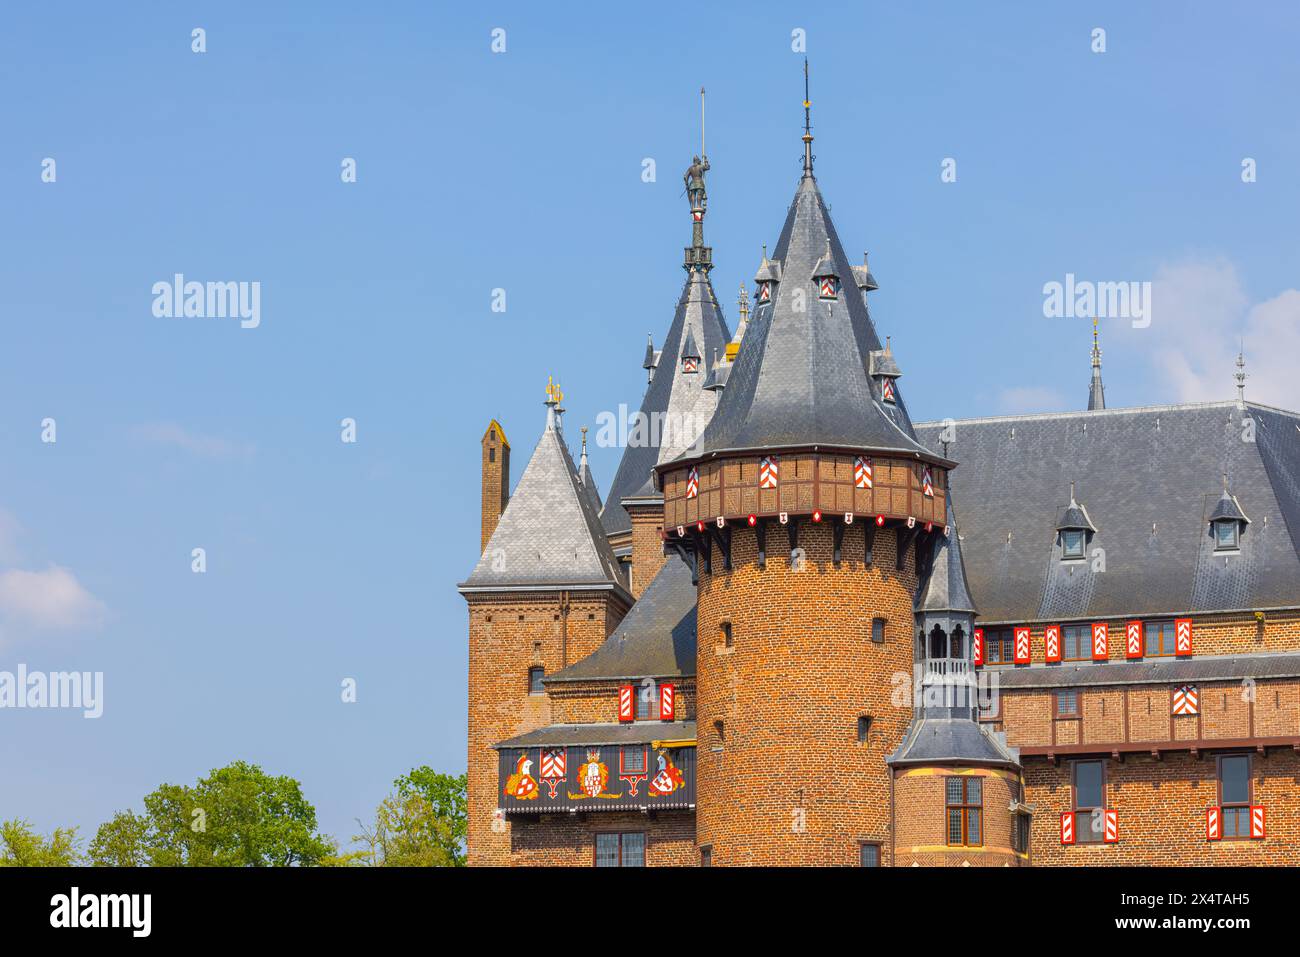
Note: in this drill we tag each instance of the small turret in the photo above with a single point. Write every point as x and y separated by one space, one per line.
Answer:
651 358
862 276
1096 393
884 372
690 354
826 279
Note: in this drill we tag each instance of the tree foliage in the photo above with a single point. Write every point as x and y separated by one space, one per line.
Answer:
20 846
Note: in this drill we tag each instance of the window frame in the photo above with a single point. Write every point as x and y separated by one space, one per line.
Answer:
1084 642
540 673
965 808
1219 523
619 835
1066 535
1090 810
1235 806
650 702
1168 630
1004 640
1075 714
863 845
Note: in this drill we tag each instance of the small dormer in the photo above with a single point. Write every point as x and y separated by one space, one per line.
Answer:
1074 530
884 372
690 354
825 278
862 276
716 380
1227 522
651 358
765 280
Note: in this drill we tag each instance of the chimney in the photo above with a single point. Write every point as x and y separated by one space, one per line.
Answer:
496 479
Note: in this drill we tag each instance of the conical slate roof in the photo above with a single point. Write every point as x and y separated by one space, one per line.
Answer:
549 534
672 394
945 588
801 378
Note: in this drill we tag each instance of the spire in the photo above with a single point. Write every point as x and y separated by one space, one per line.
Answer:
807 124
698 255
586 478
742 306
1240 376
1096 393
553 399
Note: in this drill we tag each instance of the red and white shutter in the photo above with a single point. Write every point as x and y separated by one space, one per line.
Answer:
1187 700
887 390
692 482
1256 821
1213 824
626 703
862 472
1111 833
1133 639
769 471
1182 636
1099 649
1052 642
1022 646
977 646
1067 827
927 482
667 702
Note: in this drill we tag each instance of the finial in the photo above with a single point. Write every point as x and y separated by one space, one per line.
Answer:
1096 350
742 303
888 350
1072 502
807 124
702 152
1240 375
582 462
1225 483
553 399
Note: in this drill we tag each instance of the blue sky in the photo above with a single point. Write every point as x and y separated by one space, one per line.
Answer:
522 171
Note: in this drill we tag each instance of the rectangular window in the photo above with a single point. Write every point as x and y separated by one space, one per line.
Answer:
632 760
868 855
999 647
727 640
1076 643
1225 536
535 676
647 701
620 850
864 728
1159 638
1020 834
706 856
1089 801
878 630
965 801
1067 704
1072 544
1234 794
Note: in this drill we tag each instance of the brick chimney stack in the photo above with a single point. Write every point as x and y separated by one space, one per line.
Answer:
496 479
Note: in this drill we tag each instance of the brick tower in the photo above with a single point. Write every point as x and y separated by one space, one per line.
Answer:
496 479
803 509
544 594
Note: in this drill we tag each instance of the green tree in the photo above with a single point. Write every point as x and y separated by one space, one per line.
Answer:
408 832
237 816
20 846
445 794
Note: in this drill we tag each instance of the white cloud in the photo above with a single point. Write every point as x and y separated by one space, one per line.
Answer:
208 446
1200 315
50 600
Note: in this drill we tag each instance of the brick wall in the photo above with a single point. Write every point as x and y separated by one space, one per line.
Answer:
791 785
647 545
596 702
508 634
921 819
568 840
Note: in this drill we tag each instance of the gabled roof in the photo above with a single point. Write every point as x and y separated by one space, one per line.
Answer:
1228 507
1152 477
671 395
656 639
801 378
550 534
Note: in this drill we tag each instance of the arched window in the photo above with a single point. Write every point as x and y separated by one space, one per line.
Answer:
938 643
957 646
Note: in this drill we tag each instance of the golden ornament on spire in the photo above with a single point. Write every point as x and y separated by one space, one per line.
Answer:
553 394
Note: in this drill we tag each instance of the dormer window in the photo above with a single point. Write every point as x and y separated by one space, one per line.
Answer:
1227 522
1226 535
1074 529
1072 543
825 276
690 354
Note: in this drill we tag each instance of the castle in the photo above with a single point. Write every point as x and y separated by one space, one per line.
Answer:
802 629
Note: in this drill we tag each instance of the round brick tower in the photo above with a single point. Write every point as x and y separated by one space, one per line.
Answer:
804 508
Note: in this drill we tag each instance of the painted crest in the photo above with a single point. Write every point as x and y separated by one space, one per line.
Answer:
553 762
521 785
593 775
667 779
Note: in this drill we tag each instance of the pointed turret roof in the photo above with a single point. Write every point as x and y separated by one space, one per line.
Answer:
549 536
1096 392
672 395
586 478
801 378
945 587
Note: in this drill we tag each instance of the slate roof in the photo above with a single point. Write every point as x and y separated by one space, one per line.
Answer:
637 732
939 740
1151 478
550 534
671 394
801 377
945 588
656 639
1155 671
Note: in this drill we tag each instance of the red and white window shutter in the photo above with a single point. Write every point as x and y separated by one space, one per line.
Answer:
1256 821
1100 651
862 472
1110 833
769 471
1067 827
667 702
1182 636
1213 824
1022 646
977 646
1133 639
626 703
1052 642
